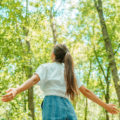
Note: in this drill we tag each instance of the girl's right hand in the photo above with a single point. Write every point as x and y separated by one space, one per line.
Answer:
111 108
11 93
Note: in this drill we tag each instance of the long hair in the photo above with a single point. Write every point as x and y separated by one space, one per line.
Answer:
62 55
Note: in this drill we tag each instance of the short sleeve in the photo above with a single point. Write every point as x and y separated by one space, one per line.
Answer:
41 71
79 83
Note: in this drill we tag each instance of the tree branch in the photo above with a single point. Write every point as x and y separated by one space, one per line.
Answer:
95 2
99 63
100 4
102 85
52 24
117 49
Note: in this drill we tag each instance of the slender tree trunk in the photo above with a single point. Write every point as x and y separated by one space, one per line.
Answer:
107 97
25 100
30 90
106 77
53 28
86 108
86 99
109 49
31 103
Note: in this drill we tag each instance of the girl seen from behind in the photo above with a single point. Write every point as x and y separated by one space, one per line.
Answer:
59 84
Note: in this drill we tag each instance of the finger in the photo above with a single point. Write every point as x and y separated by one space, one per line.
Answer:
115 112
5 99
8 90
113 105
116 109
7 95
13 94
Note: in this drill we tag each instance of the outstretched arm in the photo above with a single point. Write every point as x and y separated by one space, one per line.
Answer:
28 84
109 107
12 92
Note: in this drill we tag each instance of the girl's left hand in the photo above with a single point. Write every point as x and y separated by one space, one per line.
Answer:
111 108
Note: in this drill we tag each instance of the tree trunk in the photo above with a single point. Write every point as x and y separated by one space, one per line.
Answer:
30 90
24 102
106 77
86 99
107 97
52 24
86 108
31 103
109 49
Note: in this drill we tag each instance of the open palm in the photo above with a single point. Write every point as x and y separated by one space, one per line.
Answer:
11 93
112 109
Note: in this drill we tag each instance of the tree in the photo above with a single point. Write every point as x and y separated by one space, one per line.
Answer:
108 46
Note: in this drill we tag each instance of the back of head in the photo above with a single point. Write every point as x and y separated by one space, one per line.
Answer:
62 55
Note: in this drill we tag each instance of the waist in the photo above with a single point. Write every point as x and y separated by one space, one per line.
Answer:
56 95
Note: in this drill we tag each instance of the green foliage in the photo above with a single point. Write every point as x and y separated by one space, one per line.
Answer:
77 25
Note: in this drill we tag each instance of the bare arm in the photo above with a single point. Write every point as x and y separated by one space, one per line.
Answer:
109 107
12 92
28 84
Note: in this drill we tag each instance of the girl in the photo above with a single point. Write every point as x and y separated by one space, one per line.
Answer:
59 84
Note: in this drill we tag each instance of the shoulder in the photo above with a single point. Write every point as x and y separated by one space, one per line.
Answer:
50 66
46 65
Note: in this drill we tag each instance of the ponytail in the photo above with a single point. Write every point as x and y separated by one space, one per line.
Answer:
62 55
71 83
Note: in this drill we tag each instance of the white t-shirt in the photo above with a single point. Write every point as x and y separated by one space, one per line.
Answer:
52 79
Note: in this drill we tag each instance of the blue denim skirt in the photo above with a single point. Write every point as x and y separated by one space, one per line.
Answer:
57 108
